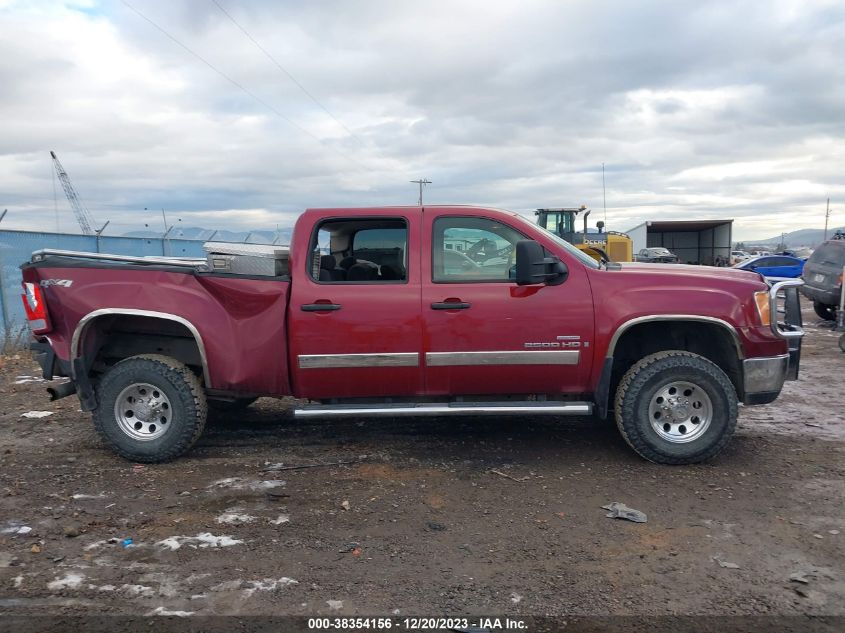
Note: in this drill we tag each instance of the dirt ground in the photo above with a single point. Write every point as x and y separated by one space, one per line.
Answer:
435 517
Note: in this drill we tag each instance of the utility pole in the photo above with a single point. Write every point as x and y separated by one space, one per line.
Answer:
604 195
3 310
826 218
421 182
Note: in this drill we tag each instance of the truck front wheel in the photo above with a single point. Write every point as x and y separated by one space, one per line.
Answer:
676 407
150 409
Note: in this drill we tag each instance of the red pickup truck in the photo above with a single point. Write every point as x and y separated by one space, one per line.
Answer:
436 310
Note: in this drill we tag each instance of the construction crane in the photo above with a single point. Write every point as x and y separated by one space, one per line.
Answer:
83 216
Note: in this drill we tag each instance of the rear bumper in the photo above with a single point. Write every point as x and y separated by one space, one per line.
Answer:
826 296
763 378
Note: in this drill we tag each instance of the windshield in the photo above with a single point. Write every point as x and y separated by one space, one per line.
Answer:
583 257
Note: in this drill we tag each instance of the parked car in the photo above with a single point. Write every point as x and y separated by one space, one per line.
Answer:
151 343
739 256
774 266
760 253
657 255
823 277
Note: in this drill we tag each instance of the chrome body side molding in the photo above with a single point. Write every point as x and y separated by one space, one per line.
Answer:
538 357
88 318
328 361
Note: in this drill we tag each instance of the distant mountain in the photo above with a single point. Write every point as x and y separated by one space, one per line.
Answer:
200 233
801 237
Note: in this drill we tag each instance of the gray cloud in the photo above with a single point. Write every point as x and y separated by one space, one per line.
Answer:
698 110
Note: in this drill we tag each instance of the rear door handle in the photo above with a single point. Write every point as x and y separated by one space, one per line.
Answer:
450 305
320 307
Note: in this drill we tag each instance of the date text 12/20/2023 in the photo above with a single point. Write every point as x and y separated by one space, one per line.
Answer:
418 624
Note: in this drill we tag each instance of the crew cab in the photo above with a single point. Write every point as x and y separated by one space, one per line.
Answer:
411 311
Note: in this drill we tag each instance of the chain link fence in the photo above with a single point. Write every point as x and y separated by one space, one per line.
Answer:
16 247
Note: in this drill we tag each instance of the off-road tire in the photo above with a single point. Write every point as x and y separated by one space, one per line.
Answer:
643 380
826 312
230 406
842 342
187 400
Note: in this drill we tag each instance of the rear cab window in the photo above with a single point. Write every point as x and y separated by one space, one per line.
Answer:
359 251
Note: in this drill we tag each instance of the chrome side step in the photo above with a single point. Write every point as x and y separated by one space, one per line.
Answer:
443 409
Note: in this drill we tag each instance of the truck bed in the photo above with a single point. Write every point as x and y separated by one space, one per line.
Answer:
237 321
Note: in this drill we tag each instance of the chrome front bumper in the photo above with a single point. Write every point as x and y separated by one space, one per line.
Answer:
763 378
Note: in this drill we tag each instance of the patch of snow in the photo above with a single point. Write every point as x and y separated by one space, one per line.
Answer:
239 483
23 380
137 590
283 518
235 517
269 584
335 605
72 580
17 581
228 585
102 495
205 539
36 414
95 545
166 611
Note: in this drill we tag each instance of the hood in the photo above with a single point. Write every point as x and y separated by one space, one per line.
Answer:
686 270
691 274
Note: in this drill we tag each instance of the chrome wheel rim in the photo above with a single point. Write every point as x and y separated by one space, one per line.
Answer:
143 412
680 412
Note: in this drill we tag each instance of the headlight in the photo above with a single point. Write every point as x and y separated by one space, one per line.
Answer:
761 298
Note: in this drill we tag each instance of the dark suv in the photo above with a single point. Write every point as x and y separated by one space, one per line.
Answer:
823 277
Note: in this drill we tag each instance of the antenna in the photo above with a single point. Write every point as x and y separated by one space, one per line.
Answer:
604 194
421 182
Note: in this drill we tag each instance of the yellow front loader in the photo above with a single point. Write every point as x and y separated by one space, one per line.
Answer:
602 246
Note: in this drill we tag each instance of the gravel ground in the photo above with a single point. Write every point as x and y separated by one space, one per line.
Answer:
430 517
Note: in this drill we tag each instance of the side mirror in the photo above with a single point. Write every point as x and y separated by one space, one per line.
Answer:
533 267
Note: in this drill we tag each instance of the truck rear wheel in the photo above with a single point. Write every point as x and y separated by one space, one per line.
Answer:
824 311
676 407
150 409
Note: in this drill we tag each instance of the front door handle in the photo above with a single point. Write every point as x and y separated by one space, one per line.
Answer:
450 305
320 307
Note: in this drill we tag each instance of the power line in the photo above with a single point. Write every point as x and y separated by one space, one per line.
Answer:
241 87
286 72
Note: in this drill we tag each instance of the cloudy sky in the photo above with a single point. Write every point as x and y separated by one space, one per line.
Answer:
698 109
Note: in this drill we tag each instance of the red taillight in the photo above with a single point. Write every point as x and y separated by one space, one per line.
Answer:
36 309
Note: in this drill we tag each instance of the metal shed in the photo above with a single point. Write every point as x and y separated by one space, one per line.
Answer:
693 241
